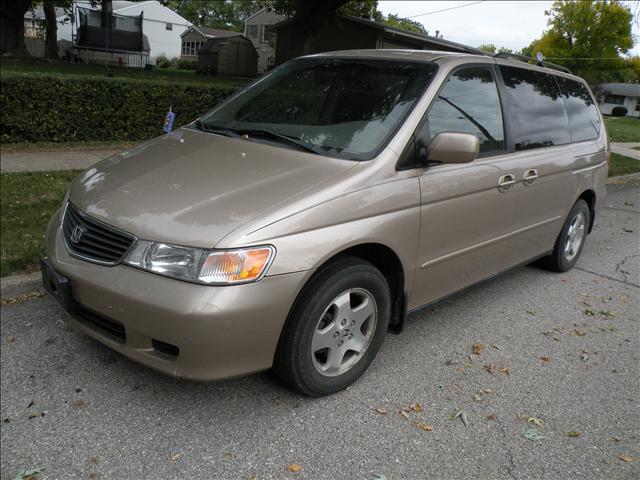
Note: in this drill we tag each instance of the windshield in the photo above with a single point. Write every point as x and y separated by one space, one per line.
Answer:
347 108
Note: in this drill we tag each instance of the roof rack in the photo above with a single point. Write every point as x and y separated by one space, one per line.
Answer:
523 58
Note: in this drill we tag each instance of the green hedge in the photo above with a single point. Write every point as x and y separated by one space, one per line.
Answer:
57 109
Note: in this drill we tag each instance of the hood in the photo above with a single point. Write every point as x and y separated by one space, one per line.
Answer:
194 188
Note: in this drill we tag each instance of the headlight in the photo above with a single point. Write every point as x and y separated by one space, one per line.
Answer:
209 267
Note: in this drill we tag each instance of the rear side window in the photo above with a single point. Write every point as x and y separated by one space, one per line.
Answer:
469 103
537 110
583 113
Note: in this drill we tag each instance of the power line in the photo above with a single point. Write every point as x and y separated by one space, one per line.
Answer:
445 9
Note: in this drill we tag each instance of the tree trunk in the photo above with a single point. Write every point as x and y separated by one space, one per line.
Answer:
12 26
51 30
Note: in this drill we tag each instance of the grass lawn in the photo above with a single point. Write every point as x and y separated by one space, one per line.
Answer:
27 201
65 69
621 165
623 129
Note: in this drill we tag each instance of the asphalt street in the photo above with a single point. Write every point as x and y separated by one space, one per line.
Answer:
551 392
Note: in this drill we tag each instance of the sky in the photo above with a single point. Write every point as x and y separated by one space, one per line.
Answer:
511 24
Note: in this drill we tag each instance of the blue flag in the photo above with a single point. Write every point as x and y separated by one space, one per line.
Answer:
168 121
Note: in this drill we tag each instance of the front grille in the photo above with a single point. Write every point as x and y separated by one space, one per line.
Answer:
93 240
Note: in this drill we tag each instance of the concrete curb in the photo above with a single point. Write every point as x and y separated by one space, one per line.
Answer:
619 180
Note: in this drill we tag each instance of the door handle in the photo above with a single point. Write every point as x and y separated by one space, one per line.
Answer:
530 176
506 182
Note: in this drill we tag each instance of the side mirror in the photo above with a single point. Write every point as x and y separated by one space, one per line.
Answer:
453 147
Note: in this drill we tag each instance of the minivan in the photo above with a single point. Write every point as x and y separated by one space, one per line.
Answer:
304 217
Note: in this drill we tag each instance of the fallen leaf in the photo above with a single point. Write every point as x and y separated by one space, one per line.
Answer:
92 476
30 404
94 460
462 415
493 345
33 474
531 312
584 357
35 414
607 313
424 426
294 467
477 397
532 434
536 421
545 359
9 339
572 433
477 348
416 407
379 477
590 312
403 413
626 458
79 403
381 410
627 230
175 457
6 420
578 333
489 367
491 417
505 370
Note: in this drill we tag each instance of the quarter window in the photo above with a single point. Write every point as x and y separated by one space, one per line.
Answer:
469 103
537 110
583 113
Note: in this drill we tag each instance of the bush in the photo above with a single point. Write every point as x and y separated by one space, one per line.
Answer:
163 62
50 109
619 111
184 64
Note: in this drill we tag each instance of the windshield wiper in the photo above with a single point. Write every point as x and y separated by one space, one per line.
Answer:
227 132
292 141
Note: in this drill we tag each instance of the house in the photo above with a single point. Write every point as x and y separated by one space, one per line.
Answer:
194 37
256 29
621 96
344 32
228 56
161 25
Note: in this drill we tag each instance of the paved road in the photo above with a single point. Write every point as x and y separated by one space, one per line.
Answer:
106 417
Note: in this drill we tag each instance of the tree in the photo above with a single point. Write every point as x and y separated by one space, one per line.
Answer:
223 14
587 36
404 24
488 47
12 26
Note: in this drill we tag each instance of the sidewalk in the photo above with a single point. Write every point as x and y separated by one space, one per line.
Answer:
41 161
626 149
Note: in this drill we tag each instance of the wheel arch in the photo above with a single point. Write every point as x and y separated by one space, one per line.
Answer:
589 196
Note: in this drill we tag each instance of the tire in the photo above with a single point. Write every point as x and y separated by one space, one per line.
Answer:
564 256
347 301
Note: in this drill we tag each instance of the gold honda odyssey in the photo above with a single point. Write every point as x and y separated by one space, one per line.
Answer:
300 220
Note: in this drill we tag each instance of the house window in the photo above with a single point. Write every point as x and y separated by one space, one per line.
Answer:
169 26
252 31
614 99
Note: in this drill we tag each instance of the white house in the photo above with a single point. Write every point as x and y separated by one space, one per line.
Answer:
626 95
161 25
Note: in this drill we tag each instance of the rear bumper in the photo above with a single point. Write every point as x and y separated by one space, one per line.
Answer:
219 332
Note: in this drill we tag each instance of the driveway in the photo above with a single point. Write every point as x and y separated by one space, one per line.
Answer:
552 391
628 149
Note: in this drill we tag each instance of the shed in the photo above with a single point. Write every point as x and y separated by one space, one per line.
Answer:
228 56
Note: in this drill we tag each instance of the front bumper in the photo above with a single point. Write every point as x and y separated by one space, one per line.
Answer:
217 332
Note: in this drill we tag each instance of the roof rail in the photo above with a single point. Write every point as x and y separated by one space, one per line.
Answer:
523 58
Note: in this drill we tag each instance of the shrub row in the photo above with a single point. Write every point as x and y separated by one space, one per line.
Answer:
58 109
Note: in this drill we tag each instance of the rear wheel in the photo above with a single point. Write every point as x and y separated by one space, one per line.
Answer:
335 328
571 240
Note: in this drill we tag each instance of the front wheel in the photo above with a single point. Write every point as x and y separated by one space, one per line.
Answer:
571 240
335 328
